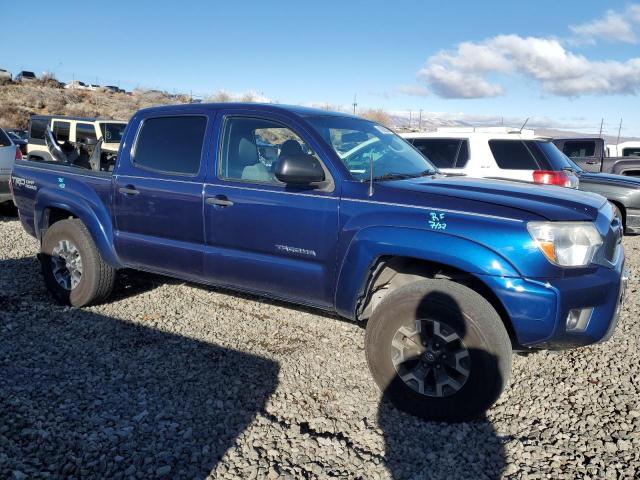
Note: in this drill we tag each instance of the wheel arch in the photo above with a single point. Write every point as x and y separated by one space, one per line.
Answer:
52 207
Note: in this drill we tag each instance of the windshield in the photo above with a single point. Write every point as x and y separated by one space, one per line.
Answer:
112 132
358 143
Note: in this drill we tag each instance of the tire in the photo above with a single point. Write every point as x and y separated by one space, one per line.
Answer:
451 308
96 279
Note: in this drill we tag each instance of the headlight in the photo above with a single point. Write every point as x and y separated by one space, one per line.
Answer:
570 244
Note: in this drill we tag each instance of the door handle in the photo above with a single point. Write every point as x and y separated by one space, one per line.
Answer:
128 190
219 201
591 162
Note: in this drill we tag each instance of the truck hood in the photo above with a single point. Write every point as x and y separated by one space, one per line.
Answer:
487 195
610 179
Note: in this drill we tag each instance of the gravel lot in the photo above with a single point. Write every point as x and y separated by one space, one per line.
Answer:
174 380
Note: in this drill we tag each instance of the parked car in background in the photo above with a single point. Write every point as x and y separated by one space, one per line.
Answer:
493 152
25 76
590 154
77 84
503 154
5 75
76 136
624 149
18 141
111 88
9 153
450 273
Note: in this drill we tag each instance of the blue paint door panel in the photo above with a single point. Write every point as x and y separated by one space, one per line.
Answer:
159 228
272 240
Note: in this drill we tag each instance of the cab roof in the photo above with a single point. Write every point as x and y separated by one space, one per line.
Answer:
296 110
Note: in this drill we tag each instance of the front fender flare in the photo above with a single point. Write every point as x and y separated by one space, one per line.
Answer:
93 216
372 243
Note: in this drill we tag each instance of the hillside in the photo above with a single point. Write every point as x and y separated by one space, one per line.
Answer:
17 101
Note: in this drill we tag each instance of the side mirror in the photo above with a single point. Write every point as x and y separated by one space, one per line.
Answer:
299 170
89 141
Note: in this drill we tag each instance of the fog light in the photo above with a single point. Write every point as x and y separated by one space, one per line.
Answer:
578 319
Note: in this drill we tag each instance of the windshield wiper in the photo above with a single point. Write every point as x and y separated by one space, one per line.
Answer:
393 176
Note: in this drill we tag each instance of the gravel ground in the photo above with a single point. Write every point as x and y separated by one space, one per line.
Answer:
174 380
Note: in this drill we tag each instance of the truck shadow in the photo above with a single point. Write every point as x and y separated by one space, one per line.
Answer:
436 450
8 212
83 394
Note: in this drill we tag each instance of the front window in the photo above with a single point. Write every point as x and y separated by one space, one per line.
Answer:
361 144
631 152
251 148
112 132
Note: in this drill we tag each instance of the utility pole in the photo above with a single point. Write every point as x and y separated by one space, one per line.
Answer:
601 123
409 119
355 102
420 121
619 130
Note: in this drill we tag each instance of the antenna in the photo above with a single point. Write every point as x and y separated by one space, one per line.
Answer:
371 174
619 130
409 119
355 102
524 124
601 123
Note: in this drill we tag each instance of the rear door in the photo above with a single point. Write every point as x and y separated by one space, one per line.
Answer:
515 160
584 153
262 235
158 195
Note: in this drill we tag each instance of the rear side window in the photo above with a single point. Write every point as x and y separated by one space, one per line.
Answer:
4 139
85 131
37 127
512 155
631 152
171 144
579 149
444 152
61 131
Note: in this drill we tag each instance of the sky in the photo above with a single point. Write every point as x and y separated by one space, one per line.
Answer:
565 64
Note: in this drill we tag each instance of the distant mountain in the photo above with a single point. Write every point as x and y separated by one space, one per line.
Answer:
431 123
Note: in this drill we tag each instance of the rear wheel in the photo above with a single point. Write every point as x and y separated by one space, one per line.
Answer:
438 350
74 272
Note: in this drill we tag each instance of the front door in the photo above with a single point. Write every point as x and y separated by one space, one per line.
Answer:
262 235
158 196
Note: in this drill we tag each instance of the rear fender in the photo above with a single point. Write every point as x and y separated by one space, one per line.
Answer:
372 243
92 214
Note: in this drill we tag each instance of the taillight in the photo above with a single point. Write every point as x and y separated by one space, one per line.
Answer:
18 154
551 177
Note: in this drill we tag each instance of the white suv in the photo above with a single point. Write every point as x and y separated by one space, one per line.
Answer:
495 152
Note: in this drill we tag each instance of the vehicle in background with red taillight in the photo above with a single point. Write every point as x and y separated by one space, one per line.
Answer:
563 178
521 155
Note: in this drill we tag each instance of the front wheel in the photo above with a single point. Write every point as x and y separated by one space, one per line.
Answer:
438 350
74 272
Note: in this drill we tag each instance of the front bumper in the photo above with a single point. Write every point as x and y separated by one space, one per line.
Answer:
538 309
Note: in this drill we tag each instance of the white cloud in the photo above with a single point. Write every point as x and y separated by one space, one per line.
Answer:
613 27
412 90
465 71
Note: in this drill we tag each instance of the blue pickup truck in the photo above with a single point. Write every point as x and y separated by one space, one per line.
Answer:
451 274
